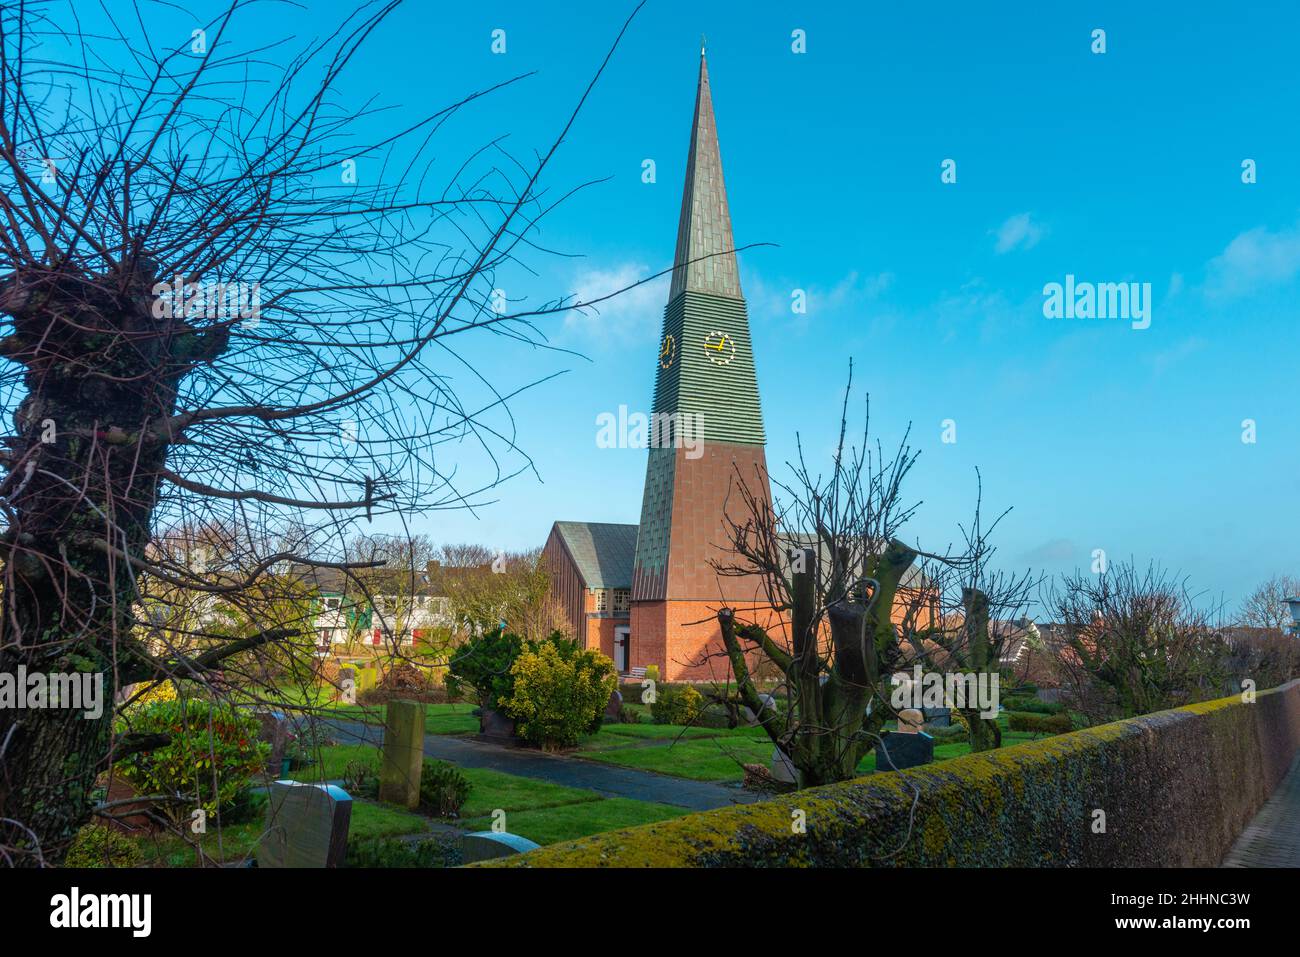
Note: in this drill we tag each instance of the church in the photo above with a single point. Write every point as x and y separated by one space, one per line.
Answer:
648 594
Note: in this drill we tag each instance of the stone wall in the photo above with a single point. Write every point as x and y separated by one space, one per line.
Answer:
1176 788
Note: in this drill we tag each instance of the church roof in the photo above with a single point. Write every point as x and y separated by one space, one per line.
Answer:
706 258
603 551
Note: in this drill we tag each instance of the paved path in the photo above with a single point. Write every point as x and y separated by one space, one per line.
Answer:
1272 839
470 751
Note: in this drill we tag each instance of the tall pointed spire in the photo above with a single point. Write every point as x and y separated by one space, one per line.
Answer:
705 259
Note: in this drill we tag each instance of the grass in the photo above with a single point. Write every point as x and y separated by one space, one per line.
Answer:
494 790
570 821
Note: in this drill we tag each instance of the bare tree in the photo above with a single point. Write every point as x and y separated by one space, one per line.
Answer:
1141 635
1266 606
206 319
832 564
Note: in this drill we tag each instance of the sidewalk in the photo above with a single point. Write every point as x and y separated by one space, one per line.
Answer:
1272 839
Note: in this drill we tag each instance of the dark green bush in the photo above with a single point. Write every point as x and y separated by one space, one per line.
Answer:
361 777
1029 703
950 734
443 789
1039 723
97 845
392 852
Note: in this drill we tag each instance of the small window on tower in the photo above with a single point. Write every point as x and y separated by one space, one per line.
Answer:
602 599
622 599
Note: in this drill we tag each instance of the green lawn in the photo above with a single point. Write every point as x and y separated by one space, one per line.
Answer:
570 821
510 792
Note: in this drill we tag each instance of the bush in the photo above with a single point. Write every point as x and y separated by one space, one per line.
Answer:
97 845
393 852
361 778
652 672
1040 723
480 668
207 741
1028 703
560 694
950 734
677 705
443 789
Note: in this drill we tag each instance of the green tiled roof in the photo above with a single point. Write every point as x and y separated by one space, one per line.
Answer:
603 551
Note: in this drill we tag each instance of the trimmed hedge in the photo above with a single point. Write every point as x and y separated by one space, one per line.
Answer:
1177 787
1039 723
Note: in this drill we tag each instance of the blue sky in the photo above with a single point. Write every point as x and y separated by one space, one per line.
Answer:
1122 166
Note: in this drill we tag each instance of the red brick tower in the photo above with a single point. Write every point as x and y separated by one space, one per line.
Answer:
707 387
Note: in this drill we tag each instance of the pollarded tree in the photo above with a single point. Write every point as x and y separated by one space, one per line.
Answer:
225 299
831 559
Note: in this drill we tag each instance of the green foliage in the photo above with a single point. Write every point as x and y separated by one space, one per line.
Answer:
392 852
652 672
97 845
677 705
1029 703
1039 723
481 668
361 777
212 755
443 789
560 693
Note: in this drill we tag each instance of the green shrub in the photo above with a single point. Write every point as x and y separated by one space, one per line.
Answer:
248 805
1029 703
208 742
361 777
950 734
480 668
1039 723
443 789
652 672
560 694
392 852
679 705
97 845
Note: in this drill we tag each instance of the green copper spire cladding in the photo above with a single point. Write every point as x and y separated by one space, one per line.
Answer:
705 260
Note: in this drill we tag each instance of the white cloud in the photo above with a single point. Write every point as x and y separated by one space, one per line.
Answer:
1255 258
1018 232
633 314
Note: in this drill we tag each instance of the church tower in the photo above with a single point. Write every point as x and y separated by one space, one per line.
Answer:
706 384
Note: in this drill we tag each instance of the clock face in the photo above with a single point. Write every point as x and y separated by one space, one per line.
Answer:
720 348
667 352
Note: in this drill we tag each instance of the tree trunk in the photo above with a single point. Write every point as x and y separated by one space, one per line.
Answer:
83 480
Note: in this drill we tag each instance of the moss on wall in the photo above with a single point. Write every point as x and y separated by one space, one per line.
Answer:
1176 788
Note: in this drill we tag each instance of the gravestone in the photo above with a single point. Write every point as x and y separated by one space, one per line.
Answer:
909 721
752 719
905 750
783 769
494 724
306 826
489 845
614 705
399 776
277 731
938 717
